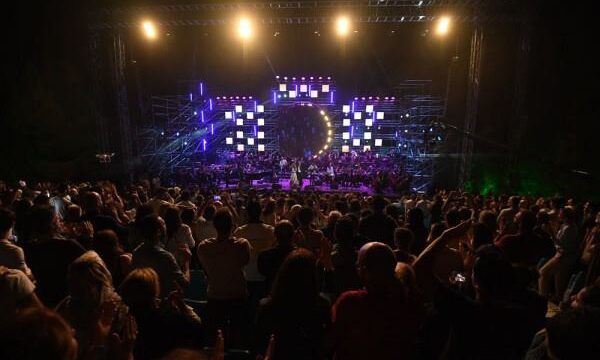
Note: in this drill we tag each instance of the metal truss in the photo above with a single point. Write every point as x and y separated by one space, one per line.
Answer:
305 12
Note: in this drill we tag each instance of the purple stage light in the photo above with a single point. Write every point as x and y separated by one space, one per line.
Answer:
254 130
274 97
203 144
201 89
355 98
320 78
353 106
218 97
202 115
212 129
331 97
352 132
210 104
191 97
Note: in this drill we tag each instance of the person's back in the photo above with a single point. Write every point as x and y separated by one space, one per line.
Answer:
305 236
224 262
268 261
260 236
295 313
11 255
50 256
525 247
224 258
344 256
152 255
382 321
378 226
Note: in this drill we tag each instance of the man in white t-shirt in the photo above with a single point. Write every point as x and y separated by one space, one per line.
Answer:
261 237
17 293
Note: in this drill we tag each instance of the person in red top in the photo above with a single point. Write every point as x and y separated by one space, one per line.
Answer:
382 321
525 247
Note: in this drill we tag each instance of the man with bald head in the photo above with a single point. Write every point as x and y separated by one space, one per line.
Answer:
382 320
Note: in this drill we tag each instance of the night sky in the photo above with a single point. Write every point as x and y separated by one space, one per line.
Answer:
47 115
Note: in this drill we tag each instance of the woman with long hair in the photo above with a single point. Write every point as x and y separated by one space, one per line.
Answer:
90 292
296 314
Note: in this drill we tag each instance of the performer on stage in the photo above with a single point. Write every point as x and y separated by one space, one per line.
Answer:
330 172
294 176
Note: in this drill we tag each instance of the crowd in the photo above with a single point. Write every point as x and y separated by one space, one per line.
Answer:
143 271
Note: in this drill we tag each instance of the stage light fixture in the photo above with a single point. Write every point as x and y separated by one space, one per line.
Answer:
261 147
149 30
261 122
346 136
346 122
260 108
229 141
342 26
245 28
443 26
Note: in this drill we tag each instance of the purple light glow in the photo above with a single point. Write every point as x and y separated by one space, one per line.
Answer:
255 105
212 129
274 97
201 89
254 130
203 144
352 132
331 97
191 97
210 104
353 106
202 115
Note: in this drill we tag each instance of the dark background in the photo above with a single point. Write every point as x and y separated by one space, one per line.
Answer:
48 109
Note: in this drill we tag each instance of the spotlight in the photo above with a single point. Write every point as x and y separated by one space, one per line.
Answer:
342 26
149 30
443 25
245 28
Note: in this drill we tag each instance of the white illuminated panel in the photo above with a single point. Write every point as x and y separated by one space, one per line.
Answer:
292 93
378 142
357 115
314 94
345 148
250 141
261 121
367 148
282 87
303 88
260 108
367 136
240 147
239 134
228 115
250 115
325 88
346 109
356 142
379 115
346 122
229 141
369 108
238 108
368 122
261 135
261 147
239 122
346 135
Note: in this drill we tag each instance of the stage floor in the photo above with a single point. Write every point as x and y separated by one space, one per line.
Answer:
285 185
